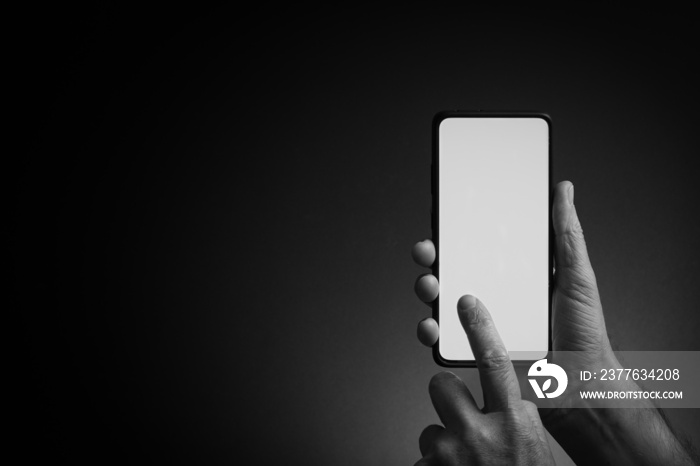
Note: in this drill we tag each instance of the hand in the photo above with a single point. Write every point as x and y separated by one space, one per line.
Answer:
577 314
507 431
621 436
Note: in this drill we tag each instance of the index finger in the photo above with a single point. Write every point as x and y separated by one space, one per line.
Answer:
496 372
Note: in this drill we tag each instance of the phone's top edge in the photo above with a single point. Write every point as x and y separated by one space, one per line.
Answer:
443 115
489 114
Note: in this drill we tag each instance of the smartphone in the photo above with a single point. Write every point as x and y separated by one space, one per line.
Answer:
491 225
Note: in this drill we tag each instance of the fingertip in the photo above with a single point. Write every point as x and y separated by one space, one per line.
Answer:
466 302
423 253
428 331
427 288
563 192
563 186
468 310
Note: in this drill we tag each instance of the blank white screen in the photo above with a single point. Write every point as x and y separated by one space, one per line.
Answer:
494 229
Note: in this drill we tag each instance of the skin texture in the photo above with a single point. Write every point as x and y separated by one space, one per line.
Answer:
507 431
590 436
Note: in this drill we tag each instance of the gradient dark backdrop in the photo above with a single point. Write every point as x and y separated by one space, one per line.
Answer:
216 211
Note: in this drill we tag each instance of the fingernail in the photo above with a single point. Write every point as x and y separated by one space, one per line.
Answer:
466 302
571 195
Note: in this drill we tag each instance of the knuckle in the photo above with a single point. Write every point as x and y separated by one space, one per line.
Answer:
495 360
444 448
523 420
529 407
572 246
581 290
480 436
441 444
575 228
516 416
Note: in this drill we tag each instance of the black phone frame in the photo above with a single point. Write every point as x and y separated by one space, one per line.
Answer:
434 172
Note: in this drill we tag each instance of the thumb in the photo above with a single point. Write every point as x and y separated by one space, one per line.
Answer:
576 299
573 267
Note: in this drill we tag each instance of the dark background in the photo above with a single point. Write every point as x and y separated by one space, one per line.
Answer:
215 211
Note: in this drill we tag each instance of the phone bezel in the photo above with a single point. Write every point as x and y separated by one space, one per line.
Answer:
434 172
